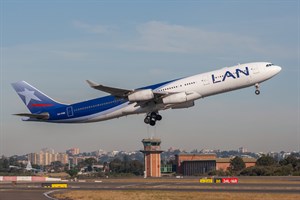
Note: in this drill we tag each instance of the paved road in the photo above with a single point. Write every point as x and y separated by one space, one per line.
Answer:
21 194
34 191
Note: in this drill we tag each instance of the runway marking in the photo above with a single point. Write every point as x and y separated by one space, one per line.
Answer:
33 186
130 185
75 187
155 186
46 194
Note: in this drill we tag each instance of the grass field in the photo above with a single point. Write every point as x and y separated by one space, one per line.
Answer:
169 195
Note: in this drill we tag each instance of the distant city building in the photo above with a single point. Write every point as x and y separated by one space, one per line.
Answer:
75 160
171 149
100 152
112 153
62 157
242 150
33 158
49 150
73 151
46 157
206 151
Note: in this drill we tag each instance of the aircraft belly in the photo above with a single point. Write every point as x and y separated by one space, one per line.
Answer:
129 109
107 116
133 109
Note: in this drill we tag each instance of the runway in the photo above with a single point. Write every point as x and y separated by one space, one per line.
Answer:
34 191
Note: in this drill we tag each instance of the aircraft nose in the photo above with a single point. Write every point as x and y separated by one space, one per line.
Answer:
277 69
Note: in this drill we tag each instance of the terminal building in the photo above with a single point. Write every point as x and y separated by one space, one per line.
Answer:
197 164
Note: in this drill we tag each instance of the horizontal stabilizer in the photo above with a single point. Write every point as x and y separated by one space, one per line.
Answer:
42 116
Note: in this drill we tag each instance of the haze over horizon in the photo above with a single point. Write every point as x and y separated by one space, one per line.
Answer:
57 45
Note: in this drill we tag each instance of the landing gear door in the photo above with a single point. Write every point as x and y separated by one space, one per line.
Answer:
70 111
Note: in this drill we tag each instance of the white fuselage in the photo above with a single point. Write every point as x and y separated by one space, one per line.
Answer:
200 85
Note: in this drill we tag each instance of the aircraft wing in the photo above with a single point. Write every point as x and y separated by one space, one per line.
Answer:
118 92
123 93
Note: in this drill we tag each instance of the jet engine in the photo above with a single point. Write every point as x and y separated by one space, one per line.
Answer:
141 95
175 98
181 97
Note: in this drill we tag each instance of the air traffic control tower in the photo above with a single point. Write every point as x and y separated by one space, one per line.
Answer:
152 157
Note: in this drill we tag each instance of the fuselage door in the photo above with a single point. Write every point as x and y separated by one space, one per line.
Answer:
70 111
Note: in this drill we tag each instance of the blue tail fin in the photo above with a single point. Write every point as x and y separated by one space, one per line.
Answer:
36 101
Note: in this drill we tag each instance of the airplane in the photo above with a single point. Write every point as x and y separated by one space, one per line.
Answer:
175 94
27 168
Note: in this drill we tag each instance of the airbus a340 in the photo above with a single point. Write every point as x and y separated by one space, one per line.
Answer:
174 94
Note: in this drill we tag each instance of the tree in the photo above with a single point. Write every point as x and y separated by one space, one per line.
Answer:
126 167
237 164
115 165
90 161
220 172
136 167
72 172
4 164
289 160
266 161
258 171
57 166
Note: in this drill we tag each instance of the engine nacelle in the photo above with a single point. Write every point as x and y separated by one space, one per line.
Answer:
141 95
175 98
181 97
183 105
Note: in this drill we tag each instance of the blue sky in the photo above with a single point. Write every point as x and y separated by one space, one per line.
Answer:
57 45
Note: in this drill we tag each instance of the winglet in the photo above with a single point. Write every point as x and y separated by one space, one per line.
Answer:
92 84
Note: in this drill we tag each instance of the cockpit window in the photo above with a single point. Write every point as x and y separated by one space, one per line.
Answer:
269 65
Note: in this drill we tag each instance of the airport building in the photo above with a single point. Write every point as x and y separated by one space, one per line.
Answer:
197 164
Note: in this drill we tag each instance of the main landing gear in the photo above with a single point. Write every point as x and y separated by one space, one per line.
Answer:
257 91
152 117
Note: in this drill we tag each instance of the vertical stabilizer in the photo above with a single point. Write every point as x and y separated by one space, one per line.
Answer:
35 100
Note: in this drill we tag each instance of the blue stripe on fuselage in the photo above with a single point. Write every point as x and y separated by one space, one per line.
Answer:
93 106
85 108
153 87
